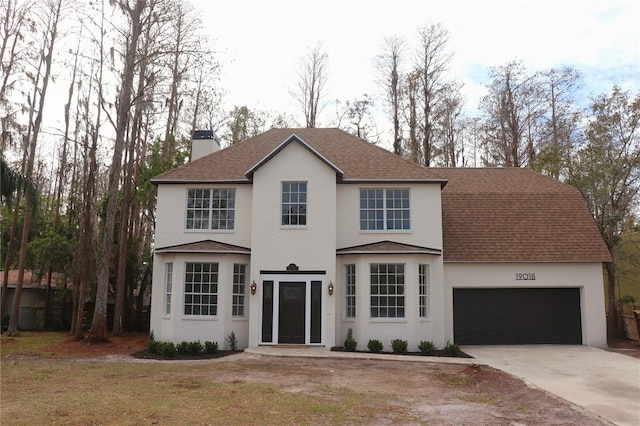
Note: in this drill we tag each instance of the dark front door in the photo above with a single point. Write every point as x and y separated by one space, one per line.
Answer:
291 312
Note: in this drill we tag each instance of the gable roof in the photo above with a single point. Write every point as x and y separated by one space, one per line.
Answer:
388 247
516 215
205 246
354 159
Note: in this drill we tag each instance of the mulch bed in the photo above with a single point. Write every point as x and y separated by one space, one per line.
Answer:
438 353
145 354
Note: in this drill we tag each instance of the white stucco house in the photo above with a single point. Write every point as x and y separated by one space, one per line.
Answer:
296 235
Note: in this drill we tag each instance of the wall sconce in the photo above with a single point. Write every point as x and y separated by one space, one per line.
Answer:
330 288
254 287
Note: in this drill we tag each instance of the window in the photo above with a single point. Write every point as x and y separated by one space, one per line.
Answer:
350 291
167 288
387 290
211 208
239 286
382 209
294 203
423 290
201 289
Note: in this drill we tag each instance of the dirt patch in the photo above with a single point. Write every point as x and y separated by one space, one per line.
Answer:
417 392
625 346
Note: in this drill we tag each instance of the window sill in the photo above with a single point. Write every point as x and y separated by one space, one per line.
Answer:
385 231
389 320
200 317
293 227
239 318
211 231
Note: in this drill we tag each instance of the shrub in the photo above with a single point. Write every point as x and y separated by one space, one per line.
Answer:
194 348
183 347
211 347
399 346
349 343
427 348
375 345
233 342
153 345
452 349
167 349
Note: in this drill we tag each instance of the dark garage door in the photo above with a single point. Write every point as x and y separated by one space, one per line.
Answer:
509 316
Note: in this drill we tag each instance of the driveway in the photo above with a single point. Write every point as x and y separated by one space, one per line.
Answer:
604 383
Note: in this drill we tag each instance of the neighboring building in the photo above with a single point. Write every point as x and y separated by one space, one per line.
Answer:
296 235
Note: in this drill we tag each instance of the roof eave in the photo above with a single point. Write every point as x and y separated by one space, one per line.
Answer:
249 173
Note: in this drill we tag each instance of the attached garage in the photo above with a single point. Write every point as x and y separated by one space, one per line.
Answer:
504 316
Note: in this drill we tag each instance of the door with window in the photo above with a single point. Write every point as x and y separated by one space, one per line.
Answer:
292 309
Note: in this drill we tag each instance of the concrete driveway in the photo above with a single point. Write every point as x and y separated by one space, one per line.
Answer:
604 383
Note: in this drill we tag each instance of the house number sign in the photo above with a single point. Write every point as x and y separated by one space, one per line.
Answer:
525 276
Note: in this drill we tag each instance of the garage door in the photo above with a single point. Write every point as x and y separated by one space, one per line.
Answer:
508 316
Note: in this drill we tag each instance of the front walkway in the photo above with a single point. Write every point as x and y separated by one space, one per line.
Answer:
604 383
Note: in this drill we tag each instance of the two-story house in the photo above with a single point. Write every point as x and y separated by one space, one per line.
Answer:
296 235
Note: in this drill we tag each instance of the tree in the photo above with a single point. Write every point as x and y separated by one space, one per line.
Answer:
244 123
390 78
432 61
511 109
356 118
53 12
559 120
312 75
606 170
135 15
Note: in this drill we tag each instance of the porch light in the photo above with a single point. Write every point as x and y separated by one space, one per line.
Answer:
254 287
330 288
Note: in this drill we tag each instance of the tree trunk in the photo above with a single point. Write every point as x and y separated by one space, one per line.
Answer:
613 329
98 331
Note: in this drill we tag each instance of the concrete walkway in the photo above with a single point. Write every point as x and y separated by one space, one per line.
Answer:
604 383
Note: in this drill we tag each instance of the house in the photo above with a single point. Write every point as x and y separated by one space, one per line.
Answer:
294 236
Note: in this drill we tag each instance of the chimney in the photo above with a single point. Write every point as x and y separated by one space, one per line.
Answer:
204 142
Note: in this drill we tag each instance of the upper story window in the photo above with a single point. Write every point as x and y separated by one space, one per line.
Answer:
212 208
384 209
294 203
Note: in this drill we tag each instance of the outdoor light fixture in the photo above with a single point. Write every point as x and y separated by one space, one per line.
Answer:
330 288
254 287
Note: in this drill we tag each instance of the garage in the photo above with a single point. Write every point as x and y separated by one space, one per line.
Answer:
509 316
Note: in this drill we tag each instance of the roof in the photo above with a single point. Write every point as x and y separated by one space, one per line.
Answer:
516 215
205 246
385 247
353 159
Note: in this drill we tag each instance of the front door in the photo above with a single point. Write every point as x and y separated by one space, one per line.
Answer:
291 317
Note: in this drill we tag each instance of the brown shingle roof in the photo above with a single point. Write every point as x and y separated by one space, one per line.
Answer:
355 158
516 215
205 246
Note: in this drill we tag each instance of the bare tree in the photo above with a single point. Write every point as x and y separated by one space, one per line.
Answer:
390 77
559 121
432 61
511 109
53 12
449 127
312 74
356 118
136 17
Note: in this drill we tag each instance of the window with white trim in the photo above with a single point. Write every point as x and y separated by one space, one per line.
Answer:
350 291
211 208
168 284
384 209
201 289
423 290
387 290
294 203
239 289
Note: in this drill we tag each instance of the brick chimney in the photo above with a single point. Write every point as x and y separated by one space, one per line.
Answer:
204 142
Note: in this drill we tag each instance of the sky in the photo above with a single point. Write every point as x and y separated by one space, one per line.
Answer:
260 43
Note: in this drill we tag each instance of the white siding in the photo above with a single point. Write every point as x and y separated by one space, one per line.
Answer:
311 247
585 276
171 213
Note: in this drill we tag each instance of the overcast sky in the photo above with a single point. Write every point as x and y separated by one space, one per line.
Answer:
261 42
